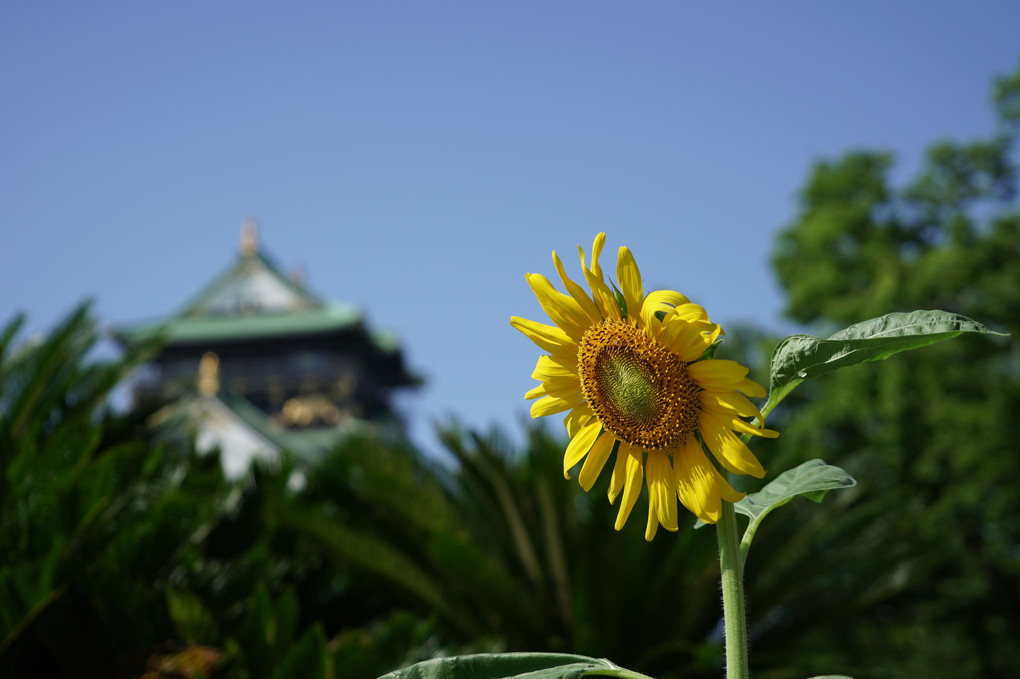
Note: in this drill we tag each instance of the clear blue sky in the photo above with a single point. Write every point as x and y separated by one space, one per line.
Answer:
417 158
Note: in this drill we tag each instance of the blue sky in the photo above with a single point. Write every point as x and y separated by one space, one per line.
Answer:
417 158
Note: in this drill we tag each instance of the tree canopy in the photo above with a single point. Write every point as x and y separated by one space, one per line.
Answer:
928 579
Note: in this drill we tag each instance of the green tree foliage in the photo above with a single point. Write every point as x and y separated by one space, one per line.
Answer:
91 517
500 553
123 558
916 571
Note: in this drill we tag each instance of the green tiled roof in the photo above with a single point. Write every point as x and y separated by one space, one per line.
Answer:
188 329
195 303
195 323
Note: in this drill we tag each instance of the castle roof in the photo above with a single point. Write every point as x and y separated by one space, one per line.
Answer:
254 363
254 300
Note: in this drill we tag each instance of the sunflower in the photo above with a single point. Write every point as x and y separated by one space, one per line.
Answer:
631 372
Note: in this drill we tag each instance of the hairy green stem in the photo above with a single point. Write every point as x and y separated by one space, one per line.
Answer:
732 568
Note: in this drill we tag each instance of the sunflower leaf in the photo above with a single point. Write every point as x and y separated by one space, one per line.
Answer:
812 479
510 665
800 357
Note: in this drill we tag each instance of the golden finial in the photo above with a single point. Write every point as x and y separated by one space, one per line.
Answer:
249 238
209 374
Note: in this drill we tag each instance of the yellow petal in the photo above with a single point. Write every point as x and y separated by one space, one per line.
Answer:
738 424
729 403
555 366
718 374
652 526
751 388
662 488
671 297
731 452
554 386
691 313
596 252
548 337
577 293
562 309
577 418
699 484
579 445
687 339
659 300
600 292
596 460
619 474
631 482
629 277
555 403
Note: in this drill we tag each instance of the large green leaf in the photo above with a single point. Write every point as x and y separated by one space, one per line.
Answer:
812 479
799 357
511 666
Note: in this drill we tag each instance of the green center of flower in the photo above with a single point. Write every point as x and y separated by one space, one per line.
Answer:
628 383
639 389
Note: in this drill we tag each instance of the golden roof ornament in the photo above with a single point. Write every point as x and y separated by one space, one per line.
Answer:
249 238
209 374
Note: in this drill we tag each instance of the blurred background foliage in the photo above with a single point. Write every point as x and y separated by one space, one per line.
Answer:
122 557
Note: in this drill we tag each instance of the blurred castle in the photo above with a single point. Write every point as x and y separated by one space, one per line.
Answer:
255 364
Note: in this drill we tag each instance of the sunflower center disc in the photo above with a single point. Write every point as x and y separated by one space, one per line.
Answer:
627 382
638 388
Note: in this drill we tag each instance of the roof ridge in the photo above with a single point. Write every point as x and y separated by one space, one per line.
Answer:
239 265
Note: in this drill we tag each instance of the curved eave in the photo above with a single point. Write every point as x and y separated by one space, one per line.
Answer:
196 303
203 329
213 330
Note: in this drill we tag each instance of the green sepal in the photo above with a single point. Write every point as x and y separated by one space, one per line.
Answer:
709 353
621 301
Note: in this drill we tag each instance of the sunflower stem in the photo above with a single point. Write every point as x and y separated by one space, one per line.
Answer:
732 570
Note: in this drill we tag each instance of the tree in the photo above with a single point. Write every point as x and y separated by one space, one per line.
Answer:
918 570
105 537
